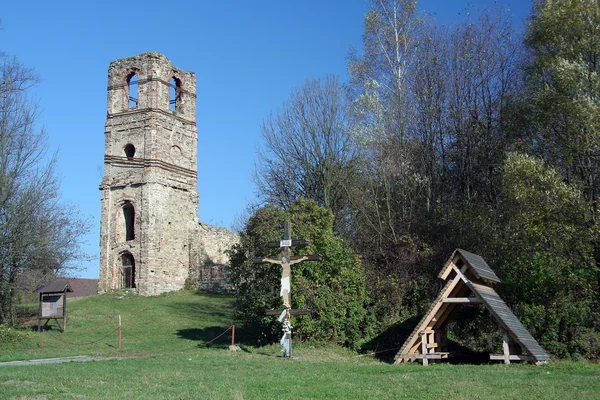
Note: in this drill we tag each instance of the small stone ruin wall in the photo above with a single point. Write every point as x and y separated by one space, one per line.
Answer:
210 271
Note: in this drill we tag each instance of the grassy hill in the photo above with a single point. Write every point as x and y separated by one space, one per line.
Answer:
166 356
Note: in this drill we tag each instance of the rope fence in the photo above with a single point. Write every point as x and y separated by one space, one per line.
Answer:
77 343
119 329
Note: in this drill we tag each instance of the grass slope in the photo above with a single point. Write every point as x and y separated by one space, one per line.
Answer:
166 334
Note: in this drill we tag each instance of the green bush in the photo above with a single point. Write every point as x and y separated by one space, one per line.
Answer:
11 336
333 289
565 328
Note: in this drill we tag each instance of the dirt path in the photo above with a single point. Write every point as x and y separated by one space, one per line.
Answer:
61 360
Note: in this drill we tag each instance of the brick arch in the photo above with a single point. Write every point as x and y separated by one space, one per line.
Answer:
128 270
131 86
125 220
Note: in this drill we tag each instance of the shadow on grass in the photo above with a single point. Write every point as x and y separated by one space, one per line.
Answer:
388 343
202 311
215 309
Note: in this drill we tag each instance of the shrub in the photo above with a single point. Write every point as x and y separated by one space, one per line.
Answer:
11 336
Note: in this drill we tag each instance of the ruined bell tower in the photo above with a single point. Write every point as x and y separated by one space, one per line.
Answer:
149 191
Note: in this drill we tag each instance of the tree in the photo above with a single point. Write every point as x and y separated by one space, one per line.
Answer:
37 231
388 198
332 289
550 202
563 102
308 153
543 246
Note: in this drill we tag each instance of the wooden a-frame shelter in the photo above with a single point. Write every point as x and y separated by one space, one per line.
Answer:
468 276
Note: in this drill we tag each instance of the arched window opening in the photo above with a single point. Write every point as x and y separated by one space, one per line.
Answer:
128 267
132 89
129 216
129 150
174 93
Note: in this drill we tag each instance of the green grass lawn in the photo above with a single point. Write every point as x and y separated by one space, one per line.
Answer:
165 335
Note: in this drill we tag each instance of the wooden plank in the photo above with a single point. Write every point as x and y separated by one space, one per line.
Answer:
509 322
462 300
430 356
412 342
424 349
513 357
506 349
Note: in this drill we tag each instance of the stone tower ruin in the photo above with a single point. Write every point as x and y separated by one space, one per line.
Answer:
149 192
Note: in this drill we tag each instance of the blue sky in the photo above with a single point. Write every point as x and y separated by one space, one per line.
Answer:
247 56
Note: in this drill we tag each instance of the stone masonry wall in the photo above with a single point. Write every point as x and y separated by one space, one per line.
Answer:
210 272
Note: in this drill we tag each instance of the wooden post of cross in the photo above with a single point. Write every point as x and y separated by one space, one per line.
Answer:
286 260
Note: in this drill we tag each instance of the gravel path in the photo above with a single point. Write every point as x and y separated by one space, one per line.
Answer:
61 360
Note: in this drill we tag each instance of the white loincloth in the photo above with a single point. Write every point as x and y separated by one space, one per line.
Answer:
285 285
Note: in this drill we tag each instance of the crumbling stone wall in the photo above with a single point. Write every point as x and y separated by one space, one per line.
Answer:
210 272
150 238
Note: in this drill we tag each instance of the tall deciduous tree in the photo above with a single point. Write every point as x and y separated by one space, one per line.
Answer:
37 231
308 153
562 108
387 200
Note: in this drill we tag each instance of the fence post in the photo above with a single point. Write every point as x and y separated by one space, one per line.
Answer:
120 333
233 335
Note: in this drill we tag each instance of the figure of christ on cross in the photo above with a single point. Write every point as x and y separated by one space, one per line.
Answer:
286 261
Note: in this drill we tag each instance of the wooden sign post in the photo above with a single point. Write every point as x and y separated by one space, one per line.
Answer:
53 303
286 261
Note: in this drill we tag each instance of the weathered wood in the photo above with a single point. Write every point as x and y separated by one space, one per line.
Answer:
465 274
509 321
412 343
512 357
424 349
476 264
428 356
462 300
506 349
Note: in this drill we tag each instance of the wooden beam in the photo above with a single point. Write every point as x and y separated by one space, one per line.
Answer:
512 357
412 343
506 348
430 356
424 348
462 300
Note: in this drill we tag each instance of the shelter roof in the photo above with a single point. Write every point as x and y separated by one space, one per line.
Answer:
475 263
505 317
57 286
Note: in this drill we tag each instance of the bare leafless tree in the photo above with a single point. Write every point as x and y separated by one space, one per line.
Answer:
37 230
308 152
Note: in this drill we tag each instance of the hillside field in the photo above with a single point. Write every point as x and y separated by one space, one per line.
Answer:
165 356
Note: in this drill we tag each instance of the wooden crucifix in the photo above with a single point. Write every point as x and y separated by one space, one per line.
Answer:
286 261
